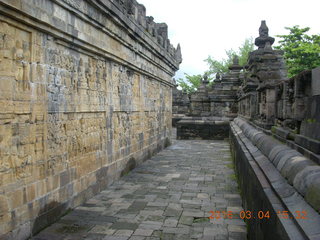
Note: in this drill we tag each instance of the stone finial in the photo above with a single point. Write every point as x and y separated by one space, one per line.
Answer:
149 19
177 54
218 76
235 63
264 37
129 5
141 15
162 33
235 60
263 29
205 80
175 82
162 30
151 25
216 80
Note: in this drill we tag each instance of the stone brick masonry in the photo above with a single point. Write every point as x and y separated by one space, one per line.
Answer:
85 96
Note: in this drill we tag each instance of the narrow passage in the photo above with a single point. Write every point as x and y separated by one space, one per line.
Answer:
169 196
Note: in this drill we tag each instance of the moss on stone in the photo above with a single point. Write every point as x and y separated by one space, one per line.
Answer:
233 177
313 195
167 142
201 219
230 165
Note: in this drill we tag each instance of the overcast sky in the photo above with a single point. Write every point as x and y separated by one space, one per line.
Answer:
209 27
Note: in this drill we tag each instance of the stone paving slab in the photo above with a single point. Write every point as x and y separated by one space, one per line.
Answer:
169 196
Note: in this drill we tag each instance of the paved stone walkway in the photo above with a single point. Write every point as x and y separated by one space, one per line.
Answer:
167 197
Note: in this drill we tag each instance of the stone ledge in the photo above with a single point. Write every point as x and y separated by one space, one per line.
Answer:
283 133
264 188
287 138
147 49
308 147
307 153
176 118
308 143
289 162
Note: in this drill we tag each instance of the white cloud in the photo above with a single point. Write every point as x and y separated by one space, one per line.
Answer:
209 27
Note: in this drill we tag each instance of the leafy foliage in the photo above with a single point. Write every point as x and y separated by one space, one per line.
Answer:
301 51
192 82
222 66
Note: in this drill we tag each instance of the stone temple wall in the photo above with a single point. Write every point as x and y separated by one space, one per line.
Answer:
85 95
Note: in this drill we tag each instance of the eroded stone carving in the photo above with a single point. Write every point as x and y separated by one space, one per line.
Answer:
77 103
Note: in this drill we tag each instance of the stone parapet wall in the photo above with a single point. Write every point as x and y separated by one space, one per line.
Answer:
85 96
277 179
275 145
300 172
193 128
286 107
296 112
298 104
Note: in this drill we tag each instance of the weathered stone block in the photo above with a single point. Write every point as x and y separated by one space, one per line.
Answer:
64 178
313 194
294 166
308 143
305 177
257 137
315 81
276 150
281 132
284 154
287 158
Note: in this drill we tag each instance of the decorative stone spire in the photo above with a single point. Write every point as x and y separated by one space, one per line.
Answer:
216 81
235 60
264 40
205 80
235 65
177 54
218 77
174 82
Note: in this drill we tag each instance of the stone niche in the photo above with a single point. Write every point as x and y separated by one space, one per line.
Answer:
85 94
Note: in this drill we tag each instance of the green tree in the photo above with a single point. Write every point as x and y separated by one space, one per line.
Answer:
191 83
301 51
222 65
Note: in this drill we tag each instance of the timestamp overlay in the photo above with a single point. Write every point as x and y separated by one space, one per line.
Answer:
257 214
